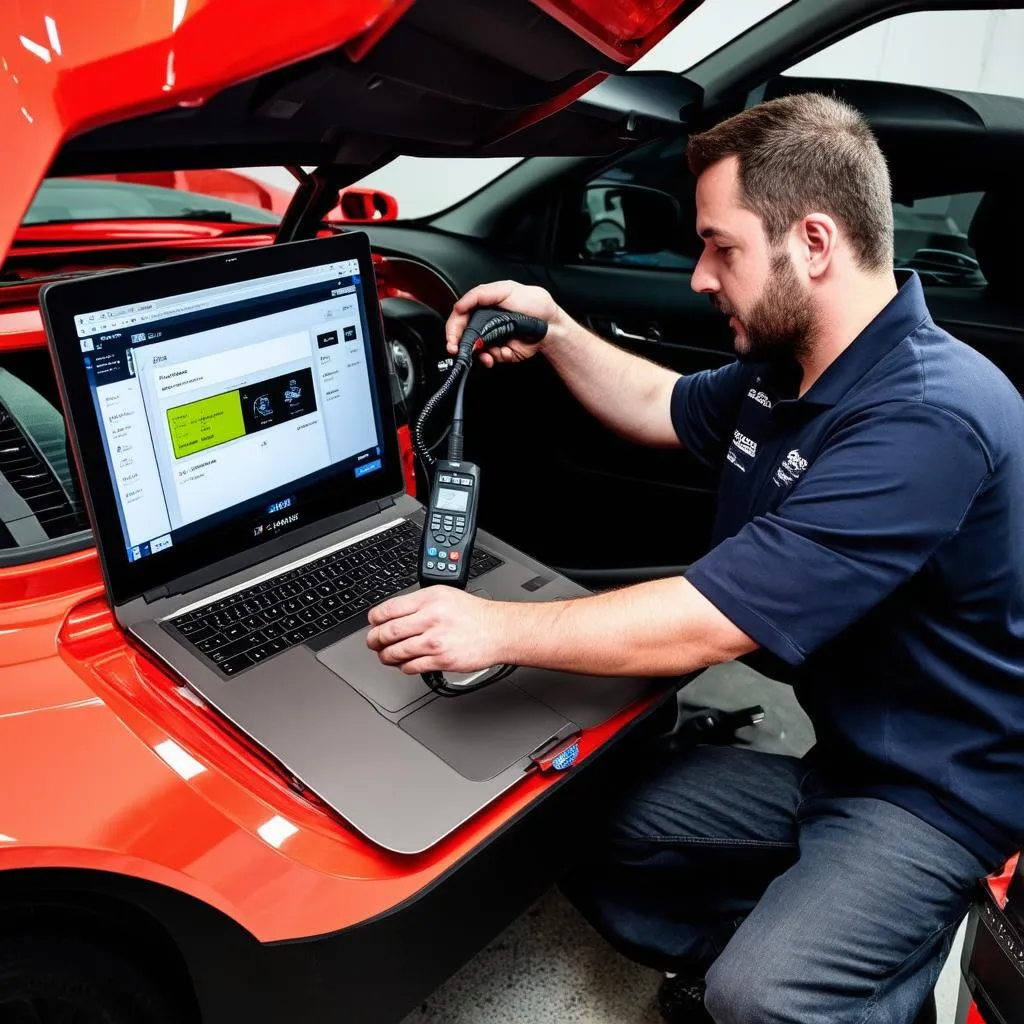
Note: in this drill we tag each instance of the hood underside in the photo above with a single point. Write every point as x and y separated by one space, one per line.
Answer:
451 78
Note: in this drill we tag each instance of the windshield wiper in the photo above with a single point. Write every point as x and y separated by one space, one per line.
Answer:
220 216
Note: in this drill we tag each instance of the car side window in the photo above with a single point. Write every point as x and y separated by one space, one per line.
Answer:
639 212
932 237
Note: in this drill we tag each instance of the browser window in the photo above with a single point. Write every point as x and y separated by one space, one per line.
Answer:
216 397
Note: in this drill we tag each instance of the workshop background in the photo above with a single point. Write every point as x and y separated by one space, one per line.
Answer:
549 966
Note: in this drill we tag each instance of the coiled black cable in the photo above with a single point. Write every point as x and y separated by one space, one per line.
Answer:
437 682
423 450
490 326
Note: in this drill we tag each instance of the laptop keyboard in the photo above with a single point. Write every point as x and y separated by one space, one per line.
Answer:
255 624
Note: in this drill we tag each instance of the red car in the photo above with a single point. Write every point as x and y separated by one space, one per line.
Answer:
158 866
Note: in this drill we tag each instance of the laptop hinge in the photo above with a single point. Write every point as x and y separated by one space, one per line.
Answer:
242 561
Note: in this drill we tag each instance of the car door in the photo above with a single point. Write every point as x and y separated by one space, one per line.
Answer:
624 249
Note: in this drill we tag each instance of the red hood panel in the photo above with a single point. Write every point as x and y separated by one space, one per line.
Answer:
68 66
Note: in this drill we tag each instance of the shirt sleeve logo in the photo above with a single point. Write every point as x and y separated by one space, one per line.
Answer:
793 465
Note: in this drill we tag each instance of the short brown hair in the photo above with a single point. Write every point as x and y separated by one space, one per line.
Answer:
802 154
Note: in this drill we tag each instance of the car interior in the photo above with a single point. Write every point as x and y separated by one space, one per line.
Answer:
614 241
612 237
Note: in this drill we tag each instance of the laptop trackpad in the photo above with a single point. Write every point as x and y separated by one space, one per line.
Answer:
388 687
482 733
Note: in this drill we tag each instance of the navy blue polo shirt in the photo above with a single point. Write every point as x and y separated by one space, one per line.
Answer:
870 538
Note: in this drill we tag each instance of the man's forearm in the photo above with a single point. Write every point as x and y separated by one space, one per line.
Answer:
663 628
628 394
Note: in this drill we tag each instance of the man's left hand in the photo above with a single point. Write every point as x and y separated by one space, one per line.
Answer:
438 629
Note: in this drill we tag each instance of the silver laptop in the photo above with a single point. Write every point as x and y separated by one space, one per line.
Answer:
233 424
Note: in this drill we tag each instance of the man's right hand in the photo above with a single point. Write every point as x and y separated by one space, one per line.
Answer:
518 298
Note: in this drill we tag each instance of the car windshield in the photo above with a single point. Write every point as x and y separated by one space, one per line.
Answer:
67 200
423 186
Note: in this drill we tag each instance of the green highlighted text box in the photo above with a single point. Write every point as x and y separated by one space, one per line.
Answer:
206 423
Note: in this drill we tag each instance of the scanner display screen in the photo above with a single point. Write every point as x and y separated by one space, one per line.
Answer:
452 501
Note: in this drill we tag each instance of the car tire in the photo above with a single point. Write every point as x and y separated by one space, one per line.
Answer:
57 978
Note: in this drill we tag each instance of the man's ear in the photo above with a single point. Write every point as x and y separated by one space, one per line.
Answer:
818 237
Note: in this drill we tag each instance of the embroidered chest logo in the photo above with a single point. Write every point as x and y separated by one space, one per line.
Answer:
742 451
793 465
744 443
760 397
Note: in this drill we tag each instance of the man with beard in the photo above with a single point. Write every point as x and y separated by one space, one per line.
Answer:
868 547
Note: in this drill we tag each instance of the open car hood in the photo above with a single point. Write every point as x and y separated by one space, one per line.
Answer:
146 85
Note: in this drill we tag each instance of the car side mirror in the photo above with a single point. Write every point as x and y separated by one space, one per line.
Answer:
364 205
628 220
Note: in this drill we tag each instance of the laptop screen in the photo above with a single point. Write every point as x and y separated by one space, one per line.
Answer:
223 409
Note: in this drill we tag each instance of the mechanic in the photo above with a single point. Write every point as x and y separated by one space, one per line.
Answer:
869 547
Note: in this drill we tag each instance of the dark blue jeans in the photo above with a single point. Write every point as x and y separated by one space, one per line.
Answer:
796 905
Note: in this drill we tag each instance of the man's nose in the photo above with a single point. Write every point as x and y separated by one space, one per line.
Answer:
702 280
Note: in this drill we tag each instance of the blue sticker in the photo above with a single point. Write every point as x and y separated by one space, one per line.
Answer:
567 758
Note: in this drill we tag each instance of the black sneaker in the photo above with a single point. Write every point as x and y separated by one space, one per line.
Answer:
681 1001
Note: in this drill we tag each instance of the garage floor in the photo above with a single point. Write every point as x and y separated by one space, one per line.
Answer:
549 966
